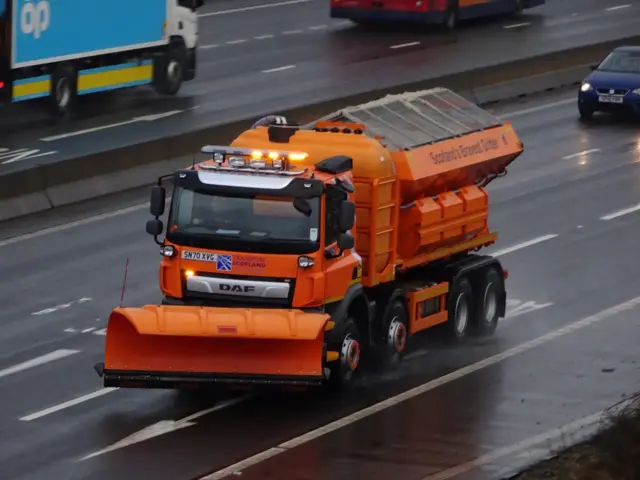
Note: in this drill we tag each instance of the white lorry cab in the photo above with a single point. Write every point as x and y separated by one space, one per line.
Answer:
63 50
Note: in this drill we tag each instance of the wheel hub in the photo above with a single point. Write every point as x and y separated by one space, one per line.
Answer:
462 314
350 354
490 304
174 71
63 92
397 337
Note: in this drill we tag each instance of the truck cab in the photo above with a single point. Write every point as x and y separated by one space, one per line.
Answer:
258 227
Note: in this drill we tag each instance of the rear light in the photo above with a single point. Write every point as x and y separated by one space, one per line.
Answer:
1 84
505 274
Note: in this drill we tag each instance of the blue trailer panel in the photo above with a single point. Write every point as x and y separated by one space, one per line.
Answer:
3 7
52 30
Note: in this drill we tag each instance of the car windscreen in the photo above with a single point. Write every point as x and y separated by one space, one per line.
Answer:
621 62
256 224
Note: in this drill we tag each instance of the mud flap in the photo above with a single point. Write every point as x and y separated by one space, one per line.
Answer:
156 346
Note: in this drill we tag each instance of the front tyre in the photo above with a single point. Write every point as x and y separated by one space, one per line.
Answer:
345 370
586 113
169 69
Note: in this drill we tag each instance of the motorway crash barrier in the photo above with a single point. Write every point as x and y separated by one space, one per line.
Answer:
32 190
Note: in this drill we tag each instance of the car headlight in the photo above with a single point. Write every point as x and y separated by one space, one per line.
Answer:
636 91
586 87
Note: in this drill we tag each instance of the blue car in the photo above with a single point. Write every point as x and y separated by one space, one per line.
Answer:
613 86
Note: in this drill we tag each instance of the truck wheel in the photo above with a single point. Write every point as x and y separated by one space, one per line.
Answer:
169 70
64 81
485 319
396 329
460 307
345 370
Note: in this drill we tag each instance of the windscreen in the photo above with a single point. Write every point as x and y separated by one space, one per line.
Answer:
249 224
621 62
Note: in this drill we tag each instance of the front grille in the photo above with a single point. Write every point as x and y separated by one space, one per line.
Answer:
218 300
613 91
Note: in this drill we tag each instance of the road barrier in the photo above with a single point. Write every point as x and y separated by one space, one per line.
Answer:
27 191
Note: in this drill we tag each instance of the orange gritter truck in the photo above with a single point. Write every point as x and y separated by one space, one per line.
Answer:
297 252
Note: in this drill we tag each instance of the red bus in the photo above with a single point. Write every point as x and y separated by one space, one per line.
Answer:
435 12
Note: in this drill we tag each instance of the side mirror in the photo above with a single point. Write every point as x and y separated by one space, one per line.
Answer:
347 216
155 227
301 205
593 67
157 201
345 241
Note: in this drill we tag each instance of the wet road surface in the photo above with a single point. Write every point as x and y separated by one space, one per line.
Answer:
255 61
569 254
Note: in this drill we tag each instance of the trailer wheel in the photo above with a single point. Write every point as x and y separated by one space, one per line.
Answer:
396 331
460 307
344 371
169 70
486 313
62 97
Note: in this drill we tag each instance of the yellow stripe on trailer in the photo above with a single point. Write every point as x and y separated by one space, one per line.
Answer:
113 77
28 88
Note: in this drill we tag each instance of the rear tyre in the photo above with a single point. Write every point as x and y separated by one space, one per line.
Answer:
345 370
460 307
62 96
484 320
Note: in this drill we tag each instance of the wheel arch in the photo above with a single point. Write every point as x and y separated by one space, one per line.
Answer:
356 305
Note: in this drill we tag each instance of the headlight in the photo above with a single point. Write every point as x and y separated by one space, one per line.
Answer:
305 262
167 251
586 87
636 91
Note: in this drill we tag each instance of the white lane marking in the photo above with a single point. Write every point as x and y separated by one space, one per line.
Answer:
62 306
620 213
77 223
522 245
253 7
10 156
517 25
537 108
279 69
236 42
403 45
35 362
207 47
143 118
558 433
318 27
165 426
291 32
581 154
617 7
69 403
520 308
262 37
237 468
87 330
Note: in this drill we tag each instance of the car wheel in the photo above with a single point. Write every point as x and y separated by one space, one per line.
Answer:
586 113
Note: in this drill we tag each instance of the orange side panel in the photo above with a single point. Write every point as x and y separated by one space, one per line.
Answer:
450 164
210 340
449 218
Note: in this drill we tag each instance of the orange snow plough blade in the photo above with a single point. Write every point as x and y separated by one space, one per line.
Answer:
178 346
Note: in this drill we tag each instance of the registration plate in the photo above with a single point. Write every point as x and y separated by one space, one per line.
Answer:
199 256
610 99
